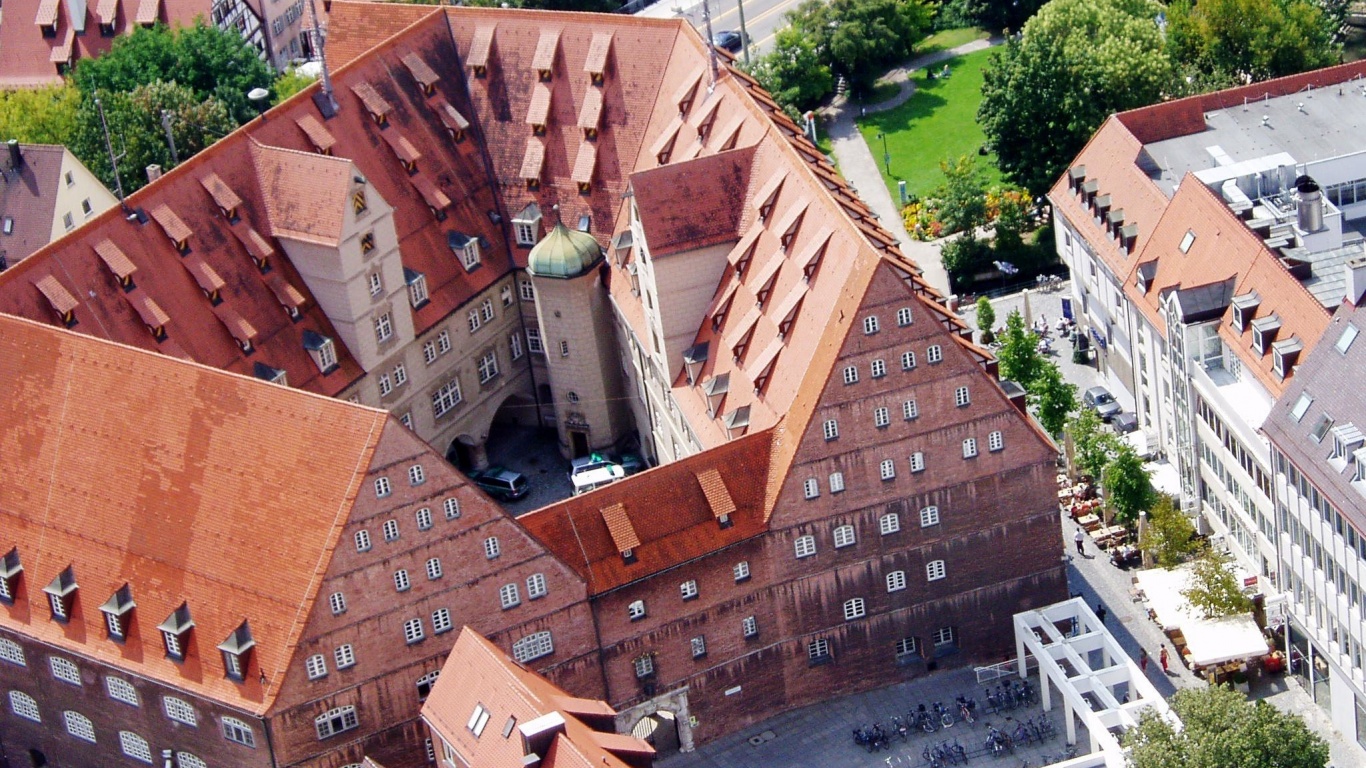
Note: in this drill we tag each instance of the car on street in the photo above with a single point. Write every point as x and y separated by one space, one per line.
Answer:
728 39
501 483
1124 423
593 479
1102 402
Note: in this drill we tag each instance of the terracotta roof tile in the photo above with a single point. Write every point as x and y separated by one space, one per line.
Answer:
47 13
237 326
538 113
714 488
174 227
354 28
319 136
451 117
619 526
374 103
61 53
222 195
257 246
480 46
667 139
585 162
130 463
421 71
208 280
305 194
598 51
114 258
108 11
149 11
713 189
435 198
546 48
285 293
56 294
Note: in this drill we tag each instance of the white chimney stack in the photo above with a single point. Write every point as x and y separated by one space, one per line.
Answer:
1356 280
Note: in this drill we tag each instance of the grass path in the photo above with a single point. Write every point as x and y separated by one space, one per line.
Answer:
938 122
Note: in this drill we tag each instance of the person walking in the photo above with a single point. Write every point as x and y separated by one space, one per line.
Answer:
1080 538
1143 660
1163 659
1100 613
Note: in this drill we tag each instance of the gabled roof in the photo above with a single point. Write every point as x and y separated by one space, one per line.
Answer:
122 482
693 204
478 674
28 196
580 530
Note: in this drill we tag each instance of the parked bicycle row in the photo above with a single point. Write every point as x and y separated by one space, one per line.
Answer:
926 719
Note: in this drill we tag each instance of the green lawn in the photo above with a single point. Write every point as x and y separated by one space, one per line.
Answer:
950 38
939 122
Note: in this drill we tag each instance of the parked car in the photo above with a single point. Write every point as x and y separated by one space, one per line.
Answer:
1102 402
501 483
589 463
633 463
1124 423
595 478
728 39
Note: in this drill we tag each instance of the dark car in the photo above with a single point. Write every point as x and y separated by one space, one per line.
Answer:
1102 402
1124 423
728 39
501 483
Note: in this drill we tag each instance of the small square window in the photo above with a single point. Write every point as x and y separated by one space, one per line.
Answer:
811 488
960 397
855 609
344 656
508 596
401 582
699 647
896 581
836 482
491 548
451 507
749 626
433 569
929 516
918 461
390 530
688 589
416 475
906 646
636 610
870 324
818 650
878 368
424 519
362 541
741 571
645 666
943 636
382 487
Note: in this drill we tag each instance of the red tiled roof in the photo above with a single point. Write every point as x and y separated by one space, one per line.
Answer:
47 13
374 103
56 294
353 28
133 460
693 204
305 194
421 71
108 11
319 136
539 110
578 528
477 673
590 115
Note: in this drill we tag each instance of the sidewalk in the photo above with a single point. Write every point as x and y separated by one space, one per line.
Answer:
860 168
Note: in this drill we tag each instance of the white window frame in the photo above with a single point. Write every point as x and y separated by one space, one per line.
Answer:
836 482
855 608
896 581
934 354
433 568
644 665
918 461
698 646
391 532
473 319
121 690
12 652
870 325
376 283
486 310
908 361
906 646
536 586
881 417
804 546
970 448
818 649
384 328
416 475
996 441
509 596
401 581
337 602
935 570
749 626
961 397
443 342
488 367
688 589
943 636
363 542
878 368
383 487
315 666
636 610
79 726
441 621
910 410
903 317
831 429
887 469
180 711
65 670
413 631
845 536
811 488
740 571
429 352
929 516
25 706
446 397
851 374
533 646
335 721
491 548
526 291
451 508
424 518
889 523
533 341
344 656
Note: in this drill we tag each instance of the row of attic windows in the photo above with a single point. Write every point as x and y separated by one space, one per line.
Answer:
176 631
1285 352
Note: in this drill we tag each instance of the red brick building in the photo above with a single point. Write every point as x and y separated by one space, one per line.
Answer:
845 496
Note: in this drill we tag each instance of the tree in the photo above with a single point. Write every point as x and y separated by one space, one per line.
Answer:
962 197
964 256
289 83
1053 398
986 319
1214 588
1092 447
1000 14
1128 487
1220 727
1076 62
39 115
1250 40
1169 537
794 72
210 62
1018 358
860 39
135 129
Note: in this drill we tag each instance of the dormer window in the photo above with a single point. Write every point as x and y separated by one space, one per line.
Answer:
417 287
236 652
736 422
538 112
527 225
118 263
1346 440
768 196
455 123
596 63
61 595
59 298
176 229
374 104
322 350
684 96
422 72
1264 332
466 247
1244 307
1284 355
543 61
175 632
478 57
118 613
714 389
790 232
10 568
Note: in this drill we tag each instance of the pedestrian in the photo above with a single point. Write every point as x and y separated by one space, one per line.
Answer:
1163 658
1143 660
1100 612
1080 538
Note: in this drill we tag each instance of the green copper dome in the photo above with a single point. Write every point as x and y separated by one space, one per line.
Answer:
564 253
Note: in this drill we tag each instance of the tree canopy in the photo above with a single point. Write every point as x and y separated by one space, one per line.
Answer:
1250 40
1127 485
860 39
1214 588
1222 728
1092 446
39 115
794 71
1053 398
1169 537
1075 62
1019 356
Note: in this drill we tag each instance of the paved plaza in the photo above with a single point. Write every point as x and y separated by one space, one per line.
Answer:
819 736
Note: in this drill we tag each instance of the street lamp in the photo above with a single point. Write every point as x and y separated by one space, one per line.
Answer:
886 155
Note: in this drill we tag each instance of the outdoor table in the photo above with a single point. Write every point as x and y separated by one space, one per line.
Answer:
1089 522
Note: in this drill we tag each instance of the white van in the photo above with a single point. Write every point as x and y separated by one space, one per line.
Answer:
597 478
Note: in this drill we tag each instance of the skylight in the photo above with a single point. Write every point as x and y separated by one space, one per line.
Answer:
1321 428
1301 406
1349 335
1187 241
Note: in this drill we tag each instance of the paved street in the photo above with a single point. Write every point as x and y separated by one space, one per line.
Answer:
763 18
819 736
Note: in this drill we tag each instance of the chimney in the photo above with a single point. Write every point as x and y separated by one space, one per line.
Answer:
153 173
16 155
1310 204
1356 280
537 736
